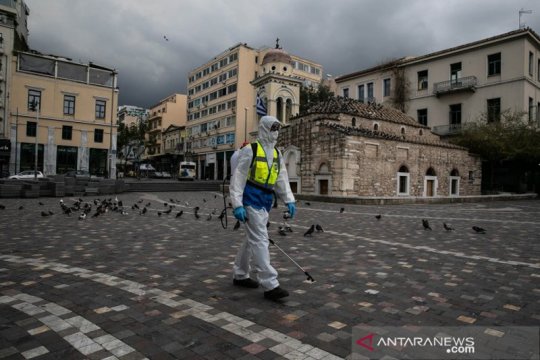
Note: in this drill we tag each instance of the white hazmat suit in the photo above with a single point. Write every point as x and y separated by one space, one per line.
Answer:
254 248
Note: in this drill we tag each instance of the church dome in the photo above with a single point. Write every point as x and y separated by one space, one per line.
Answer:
277 56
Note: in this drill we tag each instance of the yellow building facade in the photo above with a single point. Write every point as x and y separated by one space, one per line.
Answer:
68 109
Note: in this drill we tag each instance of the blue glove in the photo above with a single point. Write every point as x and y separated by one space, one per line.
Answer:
240 214
292 209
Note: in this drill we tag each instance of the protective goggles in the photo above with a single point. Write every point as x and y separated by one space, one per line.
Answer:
275 127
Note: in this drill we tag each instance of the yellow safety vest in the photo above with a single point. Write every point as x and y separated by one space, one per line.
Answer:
260 174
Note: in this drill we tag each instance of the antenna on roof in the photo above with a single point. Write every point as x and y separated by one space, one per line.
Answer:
523 11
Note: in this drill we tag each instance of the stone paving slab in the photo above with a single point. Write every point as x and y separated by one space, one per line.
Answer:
158 286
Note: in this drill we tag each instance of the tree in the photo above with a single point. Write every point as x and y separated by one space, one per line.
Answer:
131 138
510 145
310 96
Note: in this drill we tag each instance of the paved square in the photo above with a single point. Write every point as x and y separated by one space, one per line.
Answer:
158 286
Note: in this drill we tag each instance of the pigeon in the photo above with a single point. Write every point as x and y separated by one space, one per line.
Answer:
308 203
21 207
319 228
148 204
310 231
43 213
447 228
237 225
425 224
135 206
209 217
479 230
159 213
341 210
165 204
51 213
378 216
179 213
40 203
3 207
165 38
197 216
144 210
282 231
82 216
204 200
288 228
168 211
140 201
286 215
123 212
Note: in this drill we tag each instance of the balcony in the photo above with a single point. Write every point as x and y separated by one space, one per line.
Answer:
467 83
447 130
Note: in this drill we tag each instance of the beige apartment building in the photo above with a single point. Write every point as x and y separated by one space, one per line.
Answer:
68 109
13 36
170 111
222 96
452 87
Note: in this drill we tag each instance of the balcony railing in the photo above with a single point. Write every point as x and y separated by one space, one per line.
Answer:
467 83
444 130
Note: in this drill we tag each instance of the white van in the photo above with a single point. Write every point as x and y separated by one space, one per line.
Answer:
187 170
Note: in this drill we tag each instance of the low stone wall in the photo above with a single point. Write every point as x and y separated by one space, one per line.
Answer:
58 186
413 200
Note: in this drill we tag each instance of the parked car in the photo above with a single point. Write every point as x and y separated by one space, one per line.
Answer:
156 174
78 174
166 175
27 174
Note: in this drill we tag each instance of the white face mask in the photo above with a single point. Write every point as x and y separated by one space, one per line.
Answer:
274 135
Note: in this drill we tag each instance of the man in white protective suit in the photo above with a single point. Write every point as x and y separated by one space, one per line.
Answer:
260 171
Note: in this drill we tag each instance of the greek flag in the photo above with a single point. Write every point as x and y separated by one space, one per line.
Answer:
261 109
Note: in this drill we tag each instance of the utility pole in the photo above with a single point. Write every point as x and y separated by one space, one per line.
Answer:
245 124
35 107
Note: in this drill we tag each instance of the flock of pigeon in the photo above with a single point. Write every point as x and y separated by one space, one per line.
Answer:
84 209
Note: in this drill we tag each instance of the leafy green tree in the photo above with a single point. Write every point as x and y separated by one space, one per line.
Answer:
510 145
310 96
130 138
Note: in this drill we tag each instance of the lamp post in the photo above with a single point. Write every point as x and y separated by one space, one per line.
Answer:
35 107
245 124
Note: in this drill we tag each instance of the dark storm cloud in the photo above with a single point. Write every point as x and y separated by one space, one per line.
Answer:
342 35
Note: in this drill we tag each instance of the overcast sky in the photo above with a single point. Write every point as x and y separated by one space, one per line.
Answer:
342 35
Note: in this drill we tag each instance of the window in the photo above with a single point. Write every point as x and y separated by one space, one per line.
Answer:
403 181
455 115
67 132
361 93
98 135
421 116
31 128
346 92
69 105
494 64
423 80
370 92
100 109
454 183
531 60
531 110
34 100
538 70
386 87
455 72
493 110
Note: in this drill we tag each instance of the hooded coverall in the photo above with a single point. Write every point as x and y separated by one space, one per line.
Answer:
257 203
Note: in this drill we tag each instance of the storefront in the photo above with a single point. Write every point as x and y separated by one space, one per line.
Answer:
98 162
5 152
27 161
66 159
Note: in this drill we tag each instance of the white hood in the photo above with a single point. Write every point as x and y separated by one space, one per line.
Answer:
268 138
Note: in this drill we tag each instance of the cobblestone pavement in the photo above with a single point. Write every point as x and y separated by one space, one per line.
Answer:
159 287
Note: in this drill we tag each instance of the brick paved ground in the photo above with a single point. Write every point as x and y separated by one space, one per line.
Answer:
159 287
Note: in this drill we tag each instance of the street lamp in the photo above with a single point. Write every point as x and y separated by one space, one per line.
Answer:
35 107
